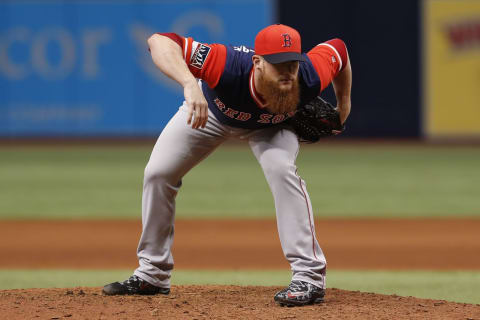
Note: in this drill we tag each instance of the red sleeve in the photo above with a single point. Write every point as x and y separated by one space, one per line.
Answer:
205 61
328 59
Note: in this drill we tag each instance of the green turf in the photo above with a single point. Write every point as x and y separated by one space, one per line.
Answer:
458 286
343 181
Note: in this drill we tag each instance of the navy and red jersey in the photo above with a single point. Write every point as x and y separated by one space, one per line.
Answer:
227 79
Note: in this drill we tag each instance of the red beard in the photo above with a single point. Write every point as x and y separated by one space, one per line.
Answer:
279 101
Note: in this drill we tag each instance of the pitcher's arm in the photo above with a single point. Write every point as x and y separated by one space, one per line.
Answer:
342 85
168 57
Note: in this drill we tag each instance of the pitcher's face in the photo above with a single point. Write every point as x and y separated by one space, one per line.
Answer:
282 74
278 84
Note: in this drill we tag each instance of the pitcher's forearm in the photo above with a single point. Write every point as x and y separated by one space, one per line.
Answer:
168 57
342 84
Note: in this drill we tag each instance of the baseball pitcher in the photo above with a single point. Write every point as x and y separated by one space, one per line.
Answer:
234 92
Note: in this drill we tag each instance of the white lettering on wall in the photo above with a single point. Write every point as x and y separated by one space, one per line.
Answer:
13 70
41 63
51 112
92 39
34 46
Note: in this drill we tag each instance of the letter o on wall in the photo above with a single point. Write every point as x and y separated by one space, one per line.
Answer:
40 60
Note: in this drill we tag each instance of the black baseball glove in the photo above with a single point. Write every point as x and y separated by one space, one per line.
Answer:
315 120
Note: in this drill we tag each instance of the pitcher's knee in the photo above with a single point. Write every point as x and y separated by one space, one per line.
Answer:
276 168
158 175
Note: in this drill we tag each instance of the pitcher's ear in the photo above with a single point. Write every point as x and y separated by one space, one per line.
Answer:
257 60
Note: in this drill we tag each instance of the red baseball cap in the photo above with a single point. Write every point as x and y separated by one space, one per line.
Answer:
279 43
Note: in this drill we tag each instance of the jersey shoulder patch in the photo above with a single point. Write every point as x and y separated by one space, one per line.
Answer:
206 61
200 56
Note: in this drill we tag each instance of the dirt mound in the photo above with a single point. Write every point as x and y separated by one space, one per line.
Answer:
221 302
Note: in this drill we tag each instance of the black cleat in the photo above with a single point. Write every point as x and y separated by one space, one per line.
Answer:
299 293
133 285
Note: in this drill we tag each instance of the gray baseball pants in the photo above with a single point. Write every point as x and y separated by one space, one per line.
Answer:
179 148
